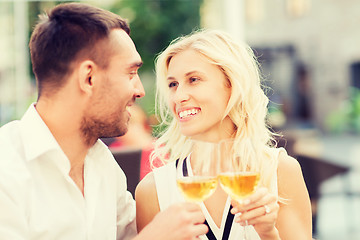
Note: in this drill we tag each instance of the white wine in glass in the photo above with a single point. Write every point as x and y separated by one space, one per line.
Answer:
239 185
238 170
200 180
196 188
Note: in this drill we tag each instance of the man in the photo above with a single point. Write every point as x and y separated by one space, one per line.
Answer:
57 180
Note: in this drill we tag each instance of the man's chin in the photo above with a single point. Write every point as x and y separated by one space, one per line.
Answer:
115 134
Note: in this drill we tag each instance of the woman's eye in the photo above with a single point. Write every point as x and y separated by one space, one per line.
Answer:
193 79
172 84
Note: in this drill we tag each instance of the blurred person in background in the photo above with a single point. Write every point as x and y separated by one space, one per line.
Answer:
139 134
209 89
57 179
138 137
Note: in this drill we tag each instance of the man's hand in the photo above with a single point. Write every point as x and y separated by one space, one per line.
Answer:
183 221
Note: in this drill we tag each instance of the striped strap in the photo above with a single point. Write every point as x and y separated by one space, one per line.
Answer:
229 219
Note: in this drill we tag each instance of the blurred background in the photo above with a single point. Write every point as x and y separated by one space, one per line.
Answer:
309 51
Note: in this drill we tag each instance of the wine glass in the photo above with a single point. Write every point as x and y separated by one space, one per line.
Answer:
196 175
238 169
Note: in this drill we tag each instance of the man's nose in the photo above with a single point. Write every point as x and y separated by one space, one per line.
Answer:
139 88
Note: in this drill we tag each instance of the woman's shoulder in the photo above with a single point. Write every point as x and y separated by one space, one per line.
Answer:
284 162
289 174
145 192
165 166
146 185
147 205
164 172
287 164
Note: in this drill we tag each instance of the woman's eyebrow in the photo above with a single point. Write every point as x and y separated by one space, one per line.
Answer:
186 75
190 73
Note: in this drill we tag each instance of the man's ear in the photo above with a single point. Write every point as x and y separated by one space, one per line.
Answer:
86 76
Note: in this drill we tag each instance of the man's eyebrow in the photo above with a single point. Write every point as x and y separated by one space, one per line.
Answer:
137 65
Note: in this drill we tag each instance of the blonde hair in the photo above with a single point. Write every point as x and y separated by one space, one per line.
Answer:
247 106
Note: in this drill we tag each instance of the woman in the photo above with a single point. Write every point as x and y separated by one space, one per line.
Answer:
208 88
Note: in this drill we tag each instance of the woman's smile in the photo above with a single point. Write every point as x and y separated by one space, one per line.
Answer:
185 115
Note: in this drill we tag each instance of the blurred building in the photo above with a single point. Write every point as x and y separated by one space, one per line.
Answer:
309 50
310 56
14 60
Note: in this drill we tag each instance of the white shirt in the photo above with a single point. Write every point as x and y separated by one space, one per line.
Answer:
38 199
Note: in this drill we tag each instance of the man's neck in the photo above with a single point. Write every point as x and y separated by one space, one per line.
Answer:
64 123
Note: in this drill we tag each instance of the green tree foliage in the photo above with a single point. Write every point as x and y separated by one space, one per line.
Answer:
347 117
155 23
35 9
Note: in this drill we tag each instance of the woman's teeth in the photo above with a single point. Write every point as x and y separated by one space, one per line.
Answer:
188 113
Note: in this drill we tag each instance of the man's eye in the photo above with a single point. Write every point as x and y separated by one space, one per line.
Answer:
133 74
172 84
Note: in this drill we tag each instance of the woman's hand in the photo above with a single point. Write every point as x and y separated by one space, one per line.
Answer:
260 210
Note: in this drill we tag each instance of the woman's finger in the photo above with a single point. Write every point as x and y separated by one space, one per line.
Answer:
263 210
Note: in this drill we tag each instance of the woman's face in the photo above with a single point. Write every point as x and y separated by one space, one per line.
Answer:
199 94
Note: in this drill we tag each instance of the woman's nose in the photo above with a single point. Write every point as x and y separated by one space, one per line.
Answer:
181 94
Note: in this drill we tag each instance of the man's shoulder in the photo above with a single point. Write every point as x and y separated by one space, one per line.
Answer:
9 136
8 127
11 149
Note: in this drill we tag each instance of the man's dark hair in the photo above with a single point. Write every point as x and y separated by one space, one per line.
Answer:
70 32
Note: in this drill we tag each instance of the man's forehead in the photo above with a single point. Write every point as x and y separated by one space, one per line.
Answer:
121 38
122 43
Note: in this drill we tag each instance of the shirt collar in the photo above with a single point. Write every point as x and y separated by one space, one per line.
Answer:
36 135
39 140
99 150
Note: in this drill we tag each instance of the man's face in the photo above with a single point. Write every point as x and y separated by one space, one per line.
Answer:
107 114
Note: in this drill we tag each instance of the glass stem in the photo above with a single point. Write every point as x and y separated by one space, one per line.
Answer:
245 231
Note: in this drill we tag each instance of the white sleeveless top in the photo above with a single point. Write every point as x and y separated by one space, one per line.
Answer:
168 194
